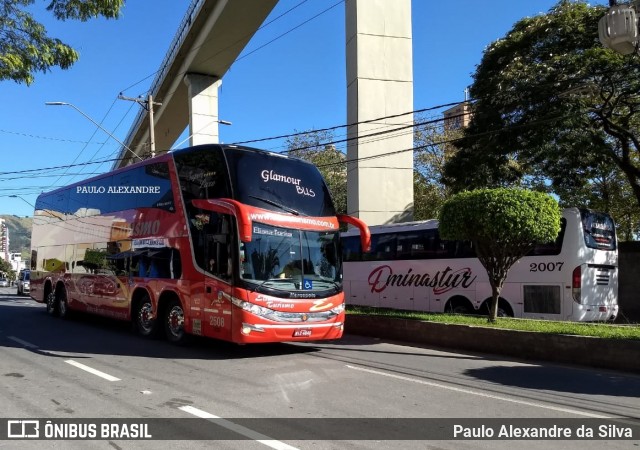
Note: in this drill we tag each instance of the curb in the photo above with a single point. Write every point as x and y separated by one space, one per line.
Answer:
615 354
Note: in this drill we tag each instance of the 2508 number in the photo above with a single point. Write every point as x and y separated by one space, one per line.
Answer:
545 267
216 322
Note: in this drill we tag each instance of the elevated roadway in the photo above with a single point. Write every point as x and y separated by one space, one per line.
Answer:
211 36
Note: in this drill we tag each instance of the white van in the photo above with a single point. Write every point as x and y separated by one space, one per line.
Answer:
23 282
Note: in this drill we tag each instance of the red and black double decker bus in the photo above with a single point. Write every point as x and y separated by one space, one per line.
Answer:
221 241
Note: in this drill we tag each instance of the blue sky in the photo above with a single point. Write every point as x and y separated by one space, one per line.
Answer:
295 83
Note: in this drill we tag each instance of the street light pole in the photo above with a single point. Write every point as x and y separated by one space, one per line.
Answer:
28 203
95 123
34 206
17 196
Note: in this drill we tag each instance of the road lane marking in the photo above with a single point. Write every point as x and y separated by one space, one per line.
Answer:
244 431
106 376
23 343
479 394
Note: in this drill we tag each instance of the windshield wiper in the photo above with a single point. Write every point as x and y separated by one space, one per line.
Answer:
282 207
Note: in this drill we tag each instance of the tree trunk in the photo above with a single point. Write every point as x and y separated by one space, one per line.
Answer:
495 291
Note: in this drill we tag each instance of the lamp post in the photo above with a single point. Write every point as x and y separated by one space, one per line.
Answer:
34 206
95 123
17 196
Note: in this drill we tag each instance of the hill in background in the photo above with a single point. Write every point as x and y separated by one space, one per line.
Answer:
19 234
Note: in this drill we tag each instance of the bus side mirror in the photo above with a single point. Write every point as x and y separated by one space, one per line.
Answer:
365 234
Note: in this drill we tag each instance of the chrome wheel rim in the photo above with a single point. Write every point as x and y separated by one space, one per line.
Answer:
145 318
51 302
175 321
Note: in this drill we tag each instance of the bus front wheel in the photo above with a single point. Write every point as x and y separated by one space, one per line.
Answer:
174 322
61 300
458 305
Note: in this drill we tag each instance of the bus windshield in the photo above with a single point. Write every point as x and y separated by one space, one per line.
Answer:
287 259
599 230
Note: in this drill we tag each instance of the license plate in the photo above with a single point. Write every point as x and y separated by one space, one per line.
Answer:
302 333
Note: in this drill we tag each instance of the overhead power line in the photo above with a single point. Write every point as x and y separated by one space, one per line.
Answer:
379 135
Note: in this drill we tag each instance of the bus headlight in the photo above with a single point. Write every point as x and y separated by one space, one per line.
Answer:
286 316
258 310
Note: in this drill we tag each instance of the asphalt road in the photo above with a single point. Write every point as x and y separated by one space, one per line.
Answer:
92 368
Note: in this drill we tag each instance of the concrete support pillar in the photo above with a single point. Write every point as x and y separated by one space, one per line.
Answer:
203 108
379 84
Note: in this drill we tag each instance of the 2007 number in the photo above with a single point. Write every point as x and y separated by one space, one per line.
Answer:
545 267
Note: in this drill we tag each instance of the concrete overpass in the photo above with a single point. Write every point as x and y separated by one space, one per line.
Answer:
379 85
209 39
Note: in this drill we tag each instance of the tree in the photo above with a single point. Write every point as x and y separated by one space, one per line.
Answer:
606 190
25 46
432 148
552 105
313 146
503 226
7 270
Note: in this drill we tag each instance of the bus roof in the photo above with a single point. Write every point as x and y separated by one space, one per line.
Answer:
421 225
169 155
396 227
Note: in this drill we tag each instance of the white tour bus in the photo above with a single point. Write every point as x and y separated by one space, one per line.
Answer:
411 268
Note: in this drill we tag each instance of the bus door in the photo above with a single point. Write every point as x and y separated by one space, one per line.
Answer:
217 304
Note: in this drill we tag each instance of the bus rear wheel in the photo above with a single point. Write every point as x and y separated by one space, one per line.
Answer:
145 318
174 322
504 309
52 304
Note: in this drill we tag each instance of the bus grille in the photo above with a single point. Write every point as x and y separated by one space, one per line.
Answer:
602 277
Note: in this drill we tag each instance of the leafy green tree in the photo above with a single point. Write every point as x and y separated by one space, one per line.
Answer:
25 46
7 270
432 148
503 225
606 190
552 104
313 146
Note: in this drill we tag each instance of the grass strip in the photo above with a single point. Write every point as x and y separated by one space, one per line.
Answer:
598 330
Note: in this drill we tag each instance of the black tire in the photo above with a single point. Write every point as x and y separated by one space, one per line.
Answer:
63 306
145 318
504 310
174 323
458 309
52 304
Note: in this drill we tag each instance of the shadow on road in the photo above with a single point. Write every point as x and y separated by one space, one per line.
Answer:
25 323
560 379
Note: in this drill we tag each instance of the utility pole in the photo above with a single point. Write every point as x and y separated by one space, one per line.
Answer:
148 105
